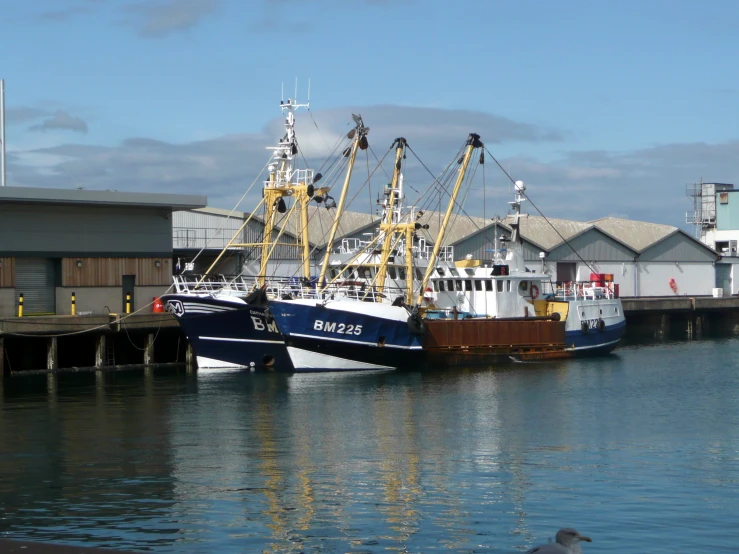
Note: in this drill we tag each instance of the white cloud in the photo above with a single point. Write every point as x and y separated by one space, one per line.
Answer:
648 184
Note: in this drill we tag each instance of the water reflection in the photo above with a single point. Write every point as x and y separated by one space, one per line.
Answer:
462 460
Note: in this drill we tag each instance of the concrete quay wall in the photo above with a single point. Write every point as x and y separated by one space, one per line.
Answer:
680 317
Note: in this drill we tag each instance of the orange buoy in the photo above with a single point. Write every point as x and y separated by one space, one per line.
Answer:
157 305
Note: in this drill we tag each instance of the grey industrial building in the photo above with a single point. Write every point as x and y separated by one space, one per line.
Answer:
646 259
101 245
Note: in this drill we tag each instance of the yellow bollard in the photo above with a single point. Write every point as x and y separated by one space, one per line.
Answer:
74 304
20 306
128 302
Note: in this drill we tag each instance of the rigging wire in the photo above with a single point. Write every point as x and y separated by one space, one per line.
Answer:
444 189
233 210
523 193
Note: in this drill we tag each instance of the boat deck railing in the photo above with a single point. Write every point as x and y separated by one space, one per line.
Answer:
284 287
583 290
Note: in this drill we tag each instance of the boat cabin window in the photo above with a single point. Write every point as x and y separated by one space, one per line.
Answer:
441 286
469 271
450 285
391 272
453 272
508 285
362 272
500 285
459 285
488 285
500 270
478 284
401 273
332 273
468 285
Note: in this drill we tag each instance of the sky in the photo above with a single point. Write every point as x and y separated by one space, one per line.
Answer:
602 108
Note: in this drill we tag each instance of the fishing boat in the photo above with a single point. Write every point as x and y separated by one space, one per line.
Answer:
479 312
473 313
226 321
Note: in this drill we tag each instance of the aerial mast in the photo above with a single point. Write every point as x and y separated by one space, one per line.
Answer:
2 131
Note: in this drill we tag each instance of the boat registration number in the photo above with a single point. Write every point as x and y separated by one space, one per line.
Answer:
339 328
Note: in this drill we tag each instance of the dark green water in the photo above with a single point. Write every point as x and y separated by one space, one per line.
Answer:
639 450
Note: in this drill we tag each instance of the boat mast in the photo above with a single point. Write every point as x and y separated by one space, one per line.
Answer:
280 184
389 224
359 134
472 142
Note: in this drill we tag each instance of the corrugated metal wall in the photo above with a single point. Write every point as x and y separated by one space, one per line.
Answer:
592 245
253 233
195 230
7 272
107 272
677 247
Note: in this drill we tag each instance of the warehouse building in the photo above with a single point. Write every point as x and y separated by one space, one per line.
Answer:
646 259
101 245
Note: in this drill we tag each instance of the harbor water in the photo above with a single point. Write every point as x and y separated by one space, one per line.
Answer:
639 450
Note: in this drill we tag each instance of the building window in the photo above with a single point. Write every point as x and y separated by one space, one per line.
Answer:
723 198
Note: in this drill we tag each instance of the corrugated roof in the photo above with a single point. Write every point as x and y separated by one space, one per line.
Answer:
218 211
80 197
548 232
638 235
460 226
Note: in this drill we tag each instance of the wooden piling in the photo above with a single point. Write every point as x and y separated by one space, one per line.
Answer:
149 350
100 360
191 361
52 354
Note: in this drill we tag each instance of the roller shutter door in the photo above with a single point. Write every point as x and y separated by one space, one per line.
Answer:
723 278
34 277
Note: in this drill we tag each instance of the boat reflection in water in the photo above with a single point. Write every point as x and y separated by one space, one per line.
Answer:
466 459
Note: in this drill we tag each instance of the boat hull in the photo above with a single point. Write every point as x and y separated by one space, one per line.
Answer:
346 336
224 333
595 342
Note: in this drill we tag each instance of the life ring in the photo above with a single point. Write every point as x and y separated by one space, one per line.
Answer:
428 293
673 285
534 292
